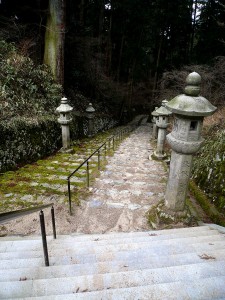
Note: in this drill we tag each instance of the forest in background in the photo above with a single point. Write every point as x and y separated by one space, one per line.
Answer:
121 54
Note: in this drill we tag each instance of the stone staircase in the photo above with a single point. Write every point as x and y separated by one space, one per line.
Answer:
185 263
118 257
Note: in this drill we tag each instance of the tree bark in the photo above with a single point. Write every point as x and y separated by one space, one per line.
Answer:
194 11
157 65
120 58
55 39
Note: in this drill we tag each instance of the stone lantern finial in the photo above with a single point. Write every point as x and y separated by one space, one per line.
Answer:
191 103
90 108
193 81
164 102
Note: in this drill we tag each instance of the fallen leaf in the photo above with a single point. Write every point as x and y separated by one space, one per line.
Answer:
206 256
23 278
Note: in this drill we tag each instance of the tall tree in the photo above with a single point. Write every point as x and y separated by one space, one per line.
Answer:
210 31
55 39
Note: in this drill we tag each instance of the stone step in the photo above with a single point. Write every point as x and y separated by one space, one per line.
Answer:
205 229
140 263
195 276
10 244
203 289
71 256
33 248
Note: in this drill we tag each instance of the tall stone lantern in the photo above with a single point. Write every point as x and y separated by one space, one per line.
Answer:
189 110
154 130
65 119
162 122
90 113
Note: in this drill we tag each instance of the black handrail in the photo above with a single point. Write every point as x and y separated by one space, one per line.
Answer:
8 216
113 138
5 217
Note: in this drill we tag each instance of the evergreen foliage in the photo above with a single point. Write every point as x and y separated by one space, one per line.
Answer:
26 89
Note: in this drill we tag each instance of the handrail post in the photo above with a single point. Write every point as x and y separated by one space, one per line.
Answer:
113 143
53 222
105 150
69 194
98 159
88 182
109 144
44 240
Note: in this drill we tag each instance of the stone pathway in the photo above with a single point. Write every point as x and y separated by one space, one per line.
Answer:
126 189
118 199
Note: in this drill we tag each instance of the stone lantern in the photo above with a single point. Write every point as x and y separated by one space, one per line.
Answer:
162 122
65 119
154 130
90 113
185 139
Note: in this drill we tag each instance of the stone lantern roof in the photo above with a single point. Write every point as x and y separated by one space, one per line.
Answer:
154 113
90 108
163 111
190 103
64 107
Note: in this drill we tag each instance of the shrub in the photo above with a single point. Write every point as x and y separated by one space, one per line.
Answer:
209 166
26 89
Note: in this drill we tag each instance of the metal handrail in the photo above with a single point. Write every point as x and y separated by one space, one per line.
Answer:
86 161
8 216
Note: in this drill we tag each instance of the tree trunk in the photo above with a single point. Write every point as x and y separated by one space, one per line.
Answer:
157 65
55 38
82 9
120 58
109 43
194 12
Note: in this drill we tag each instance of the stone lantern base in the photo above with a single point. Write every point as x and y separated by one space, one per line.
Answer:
158 156
63 150
160 217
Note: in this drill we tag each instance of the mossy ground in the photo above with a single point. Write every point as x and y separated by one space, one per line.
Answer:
205 203
209 166
28 185
160 217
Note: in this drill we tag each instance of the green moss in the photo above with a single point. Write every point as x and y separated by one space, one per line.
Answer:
206 205
16 184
